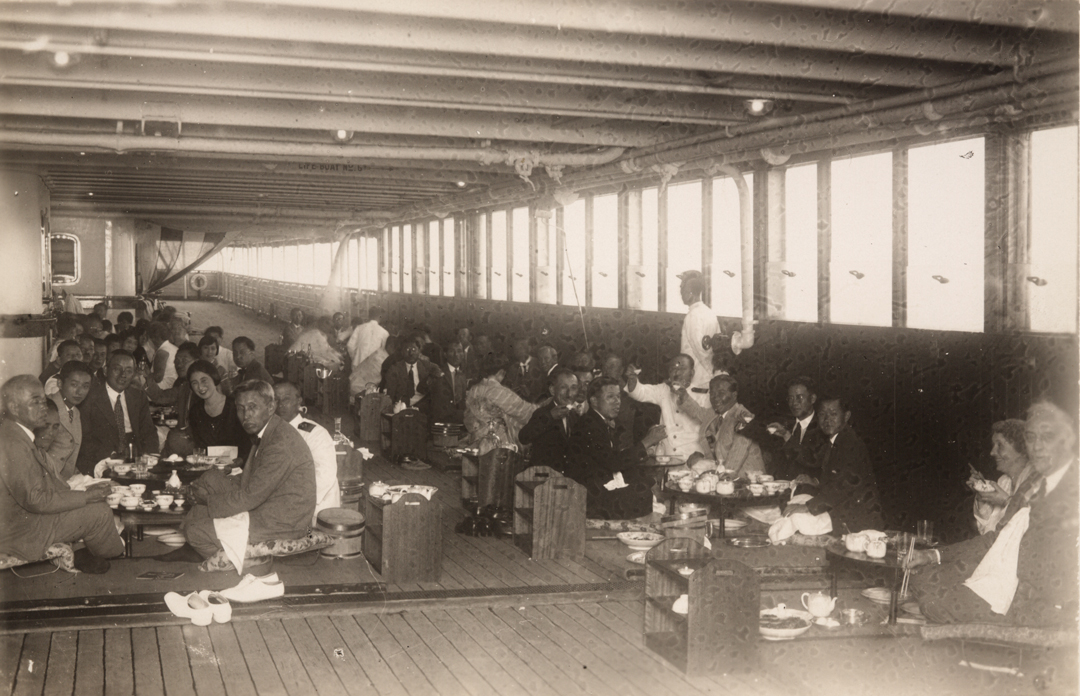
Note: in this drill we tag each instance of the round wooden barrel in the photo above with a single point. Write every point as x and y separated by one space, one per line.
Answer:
347 527
352 493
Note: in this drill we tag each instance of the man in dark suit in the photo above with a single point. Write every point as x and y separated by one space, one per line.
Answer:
37 508
245 358
447 391
407 379
794 449
114 414
617 487
548 430
848 489
524 376
635 417
277 486
1046 561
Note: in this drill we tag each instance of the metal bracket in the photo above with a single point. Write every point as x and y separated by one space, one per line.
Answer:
26 325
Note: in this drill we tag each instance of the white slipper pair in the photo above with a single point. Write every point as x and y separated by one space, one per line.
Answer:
202 608
256 589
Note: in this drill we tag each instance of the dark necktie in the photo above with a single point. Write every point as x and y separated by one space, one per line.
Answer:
456 386
118 411
796 434
410 387
71 415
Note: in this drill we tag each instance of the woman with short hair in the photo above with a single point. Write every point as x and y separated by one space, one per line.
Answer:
212 417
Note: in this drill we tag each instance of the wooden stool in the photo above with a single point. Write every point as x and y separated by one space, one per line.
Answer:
372 407
404 435
549 514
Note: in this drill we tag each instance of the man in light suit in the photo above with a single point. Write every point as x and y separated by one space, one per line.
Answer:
721 431
75 381
277 486
37 508
114 414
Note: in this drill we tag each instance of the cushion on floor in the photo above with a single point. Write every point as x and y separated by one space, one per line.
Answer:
60 554
1022 635
314 540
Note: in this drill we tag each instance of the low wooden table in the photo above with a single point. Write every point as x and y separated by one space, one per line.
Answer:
135 520
717 503
837 553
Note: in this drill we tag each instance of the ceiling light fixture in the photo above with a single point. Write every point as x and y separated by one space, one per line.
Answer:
758 107
61 59
461 184
343 136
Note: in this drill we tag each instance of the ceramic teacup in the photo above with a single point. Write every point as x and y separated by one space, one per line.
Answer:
756 488
130 502
137 489
121 469
164 501
113 499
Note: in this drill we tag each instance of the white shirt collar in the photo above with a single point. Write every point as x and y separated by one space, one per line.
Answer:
263 431
805 422
112 394
28 431
832 439
294 422
1054 479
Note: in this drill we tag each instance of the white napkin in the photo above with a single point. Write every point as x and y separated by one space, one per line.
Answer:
99 468
230 451
616 482
232 532
80 482
995 577
802 522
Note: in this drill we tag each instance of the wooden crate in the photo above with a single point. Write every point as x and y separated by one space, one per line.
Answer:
549 514
403 540
404 434
719 632
372 406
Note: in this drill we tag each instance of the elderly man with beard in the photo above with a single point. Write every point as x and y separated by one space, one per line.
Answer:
277 486
37 508
1034 583
683 429
114 414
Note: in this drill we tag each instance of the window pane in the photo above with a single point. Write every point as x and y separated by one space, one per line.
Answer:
498 255
395 259
605 256
727 248
352 260
1053 230
370 264
793 280
323 264
481 256
546 256
64 252
650 235
449 265
522 256
683 237
946 229
291 264
574 256
214 263
409 260
861 265
306 263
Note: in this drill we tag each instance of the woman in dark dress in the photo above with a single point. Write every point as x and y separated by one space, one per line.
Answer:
212 418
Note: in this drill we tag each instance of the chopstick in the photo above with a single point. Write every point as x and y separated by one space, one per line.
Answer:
907 568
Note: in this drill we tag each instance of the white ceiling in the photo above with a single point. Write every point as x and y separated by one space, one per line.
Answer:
222 115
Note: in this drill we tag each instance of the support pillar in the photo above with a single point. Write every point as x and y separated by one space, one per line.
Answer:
24 214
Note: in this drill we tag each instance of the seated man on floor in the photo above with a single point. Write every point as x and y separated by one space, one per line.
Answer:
1024 573
848 488
635 417
277 486
68 351
407 380
548 430
315 342
617 487
447 391
248 362
721 430
114 414
37 507
683 429
319 441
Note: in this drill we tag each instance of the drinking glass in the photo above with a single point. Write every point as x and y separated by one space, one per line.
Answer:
925 530
903 543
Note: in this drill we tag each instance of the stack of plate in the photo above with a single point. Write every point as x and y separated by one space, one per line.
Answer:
451 429
173 539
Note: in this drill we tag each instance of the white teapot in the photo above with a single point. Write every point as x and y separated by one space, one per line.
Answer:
377 489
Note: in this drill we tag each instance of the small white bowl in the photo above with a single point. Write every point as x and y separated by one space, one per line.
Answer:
640 541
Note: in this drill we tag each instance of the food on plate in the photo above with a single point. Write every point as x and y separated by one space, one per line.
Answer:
773 621
978 482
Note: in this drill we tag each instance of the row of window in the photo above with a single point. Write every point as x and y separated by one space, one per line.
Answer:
894 238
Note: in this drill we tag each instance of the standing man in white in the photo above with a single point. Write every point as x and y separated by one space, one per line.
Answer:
367 338
699 326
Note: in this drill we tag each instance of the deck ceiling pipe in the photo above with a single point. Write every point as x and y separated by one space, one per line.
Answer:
483 155
742 340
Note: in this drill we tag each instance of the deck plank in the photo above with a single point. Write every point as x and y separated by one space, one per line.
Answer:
465 673
311 655
503 653
441 678
475 655
616 654
204 667
90 664
345 664
407 671
60 678
233 667
368 657
33 664
289 665
259 662
564 668
146 661
175 670
119 673
10 650
463 577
